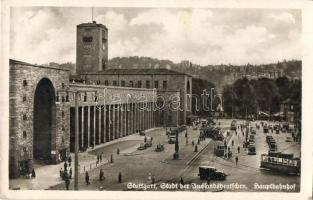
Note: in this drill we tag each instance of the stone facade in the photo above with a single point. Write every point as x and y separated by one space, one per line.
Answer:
23 82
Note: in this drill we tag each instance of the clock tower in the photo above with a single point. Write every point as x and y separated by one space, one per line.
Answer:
91 47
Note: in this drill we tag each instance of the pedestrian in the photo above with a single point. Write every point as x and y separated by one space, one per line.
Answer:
65 175
67 183
65 166
87 178
98 159
238 148
182 181
118 151
61 172
33 173
101 157
153 179
232 143
112 159
145 139
101 175
69 160
71 172
193 143
236 160
151 139
119 177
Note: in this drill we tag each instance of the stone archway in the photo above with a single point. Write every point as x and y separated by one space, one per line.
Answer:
44 120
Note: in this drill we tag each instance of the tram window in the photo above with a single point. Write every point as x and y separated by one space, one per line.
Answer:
285 161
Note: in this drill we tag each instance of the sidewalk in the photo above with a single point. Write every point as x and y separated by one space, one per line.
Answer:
48 175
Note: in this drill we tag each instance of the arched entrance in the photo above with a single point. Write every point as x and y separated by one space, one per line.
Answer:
44 120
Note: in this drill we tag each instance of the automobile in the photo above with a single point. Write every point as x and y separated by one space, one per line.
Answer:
172 139
219 150
288 139
142 146
251 149
142 133
210 173
148 143
159 147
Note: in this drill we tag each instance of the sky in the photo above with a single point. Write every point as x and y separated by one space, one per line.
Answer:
203 36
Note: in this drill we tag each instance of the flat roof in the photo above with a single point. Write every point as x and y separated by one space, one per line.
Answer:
17 62
136 71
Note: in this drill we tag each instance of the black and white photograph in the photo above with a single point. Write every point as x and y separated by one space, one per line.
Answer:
155 99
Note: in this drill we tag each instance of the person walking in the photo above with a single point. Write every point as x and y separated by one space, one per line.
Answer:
87 178
69 160
33 173
232 143
119 177
101 175
65 166
61 172
67 183
238 149
145 140
236 159
71 172
182 181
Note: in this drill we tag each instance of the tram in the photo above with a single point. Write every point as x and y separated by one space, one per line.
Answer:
284 163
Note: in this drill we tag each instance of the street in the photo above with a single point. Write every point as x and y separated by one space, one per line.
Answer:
139 167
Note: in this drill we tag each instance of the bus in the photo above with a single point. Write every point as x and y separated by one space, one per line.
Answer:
233 126
284 163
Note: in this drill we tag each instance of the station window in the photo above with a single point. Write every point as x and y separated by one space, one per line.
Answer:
24 134
106 82
114 83
131 84
98 82
123 83
164 85
156 84
147 84
63 114
24 83
139 84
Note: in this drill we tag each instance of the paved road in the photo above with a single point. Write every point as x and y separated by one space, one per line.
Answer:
136 165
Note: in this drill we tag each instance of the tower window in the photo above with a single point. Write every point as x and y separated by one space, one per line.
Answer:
87 39
24 98
24 83
24 117
24 134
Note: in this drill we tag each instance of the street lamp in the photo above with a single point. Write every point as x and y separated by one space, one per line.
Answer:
212 99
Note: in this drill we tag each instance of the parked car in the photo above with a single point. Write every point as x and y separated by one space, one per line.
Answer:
288 139
211 173
251 149
148 143
159 147
142 146
172 139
